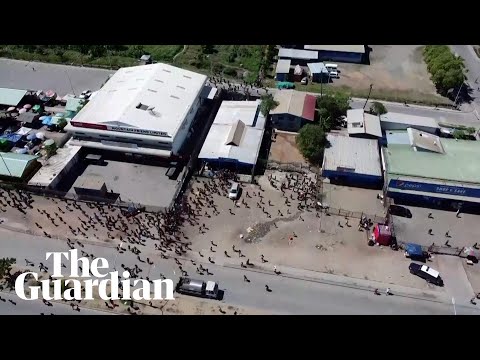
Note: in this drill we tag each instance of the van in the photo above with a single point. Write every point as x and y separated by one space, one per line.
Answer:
234 191
331 67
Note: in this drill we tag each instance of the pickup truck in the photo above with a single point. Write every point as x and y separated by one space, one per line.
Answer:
204 289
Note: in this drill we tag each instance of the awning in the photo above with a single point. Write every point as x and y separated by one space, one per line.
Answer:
414 249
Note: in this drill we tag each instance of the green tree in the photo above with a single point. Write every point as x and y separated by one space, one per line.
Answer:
208 49
311 141
446 69
268 103
331 108
377 108
136 51
6 266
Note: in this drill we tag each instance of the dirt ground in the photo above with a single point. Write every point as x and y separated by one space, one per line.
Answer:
352 199
322 243
392 67
284 149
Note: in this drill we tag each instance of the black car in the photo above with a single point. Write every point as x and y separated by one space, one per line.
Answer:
400 211
432 276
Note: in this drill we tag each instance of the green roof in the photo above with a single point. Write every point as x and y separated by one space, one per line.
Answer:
459 163
11 97
73 104
16 164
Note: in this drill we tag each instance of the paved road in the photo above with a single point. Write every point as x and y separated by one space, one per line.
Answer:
63 79
288 296
67 79
37 307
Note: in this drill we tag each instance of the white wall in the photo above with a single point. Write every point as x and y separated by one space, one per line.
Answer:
182 132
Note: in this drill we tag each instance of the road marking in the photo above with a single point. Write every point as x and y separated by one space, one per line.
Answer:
454 309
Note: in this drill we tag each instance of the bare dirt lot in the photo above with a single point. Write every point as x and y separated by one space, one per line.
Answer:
392 67
328 244
284 149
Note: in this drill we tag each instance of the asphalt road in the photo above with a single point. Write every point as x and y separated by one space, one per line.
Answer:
63 79
33 307
472 64
288 296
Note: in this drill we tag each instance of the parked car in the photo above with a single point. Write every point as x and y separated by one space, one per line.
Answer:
399 211
432 276
334 74
234 191
304 81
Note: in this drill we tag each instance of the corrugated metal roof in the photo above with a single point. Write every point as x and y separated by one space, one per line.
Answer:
74 103
293 102
340 48
247 150
359 122
283 66
90 182
424 141
309 107
317 68
411 120
459 163
236 133
11 97
397 137
359 155
298 54
14 165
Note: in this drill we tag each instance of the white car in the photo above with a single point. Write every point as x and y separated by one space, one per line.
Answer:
85 94
234 191
333 74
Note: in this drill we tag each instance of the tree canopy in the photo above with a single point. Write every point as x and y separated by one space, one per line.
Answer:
446 69
331 108
377 108
268 103
311 141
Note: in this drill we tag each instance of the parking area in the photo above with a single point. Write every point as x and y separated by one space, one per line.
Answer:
392 67
264 226
136 183
63 79
462 231
284 149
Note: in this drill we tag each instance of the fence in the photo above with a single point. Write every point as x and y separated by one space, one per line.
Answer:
354 214
440 250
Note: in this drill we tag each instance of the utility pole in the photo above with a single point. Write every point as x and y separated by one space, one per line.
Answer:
70 81
368 97
458 93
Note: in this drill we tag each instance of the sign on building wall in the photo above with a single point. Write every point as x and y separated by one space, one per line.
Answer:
434 188
137 131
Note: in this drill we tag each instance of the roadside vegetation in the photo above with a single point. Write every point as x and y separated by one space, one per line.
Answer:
242 62
377 108
331 107
446 69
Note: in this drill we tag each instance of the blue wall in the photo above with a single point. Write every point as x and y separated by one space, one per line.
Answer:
353 178
340 56
434 188
282 77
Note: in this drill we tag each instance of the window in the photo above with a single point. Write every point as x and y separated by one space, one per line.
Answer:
104 136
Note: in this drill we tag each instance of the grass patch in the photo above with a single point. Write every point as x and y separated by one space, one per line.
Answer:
410 96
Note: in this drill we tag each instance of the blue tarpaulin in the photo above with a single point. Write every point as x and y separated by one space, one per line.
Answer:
47 120
414 250
14 138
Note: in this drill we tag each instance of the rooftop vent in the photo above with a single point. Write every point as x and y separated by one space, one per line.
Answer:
175 97
186 76
158 80
168 71
142 106
180 87
151 90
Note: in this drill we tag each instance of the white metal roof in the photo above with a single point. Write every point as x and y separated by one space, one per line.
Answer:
210 286
420 140
411 120
340 48
359 122
54 165
361 156
283 66
430 271
249 141
317 68
297 54
170 90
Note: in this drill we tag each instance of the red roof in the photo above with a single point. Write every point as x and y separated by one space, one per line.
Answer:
309 107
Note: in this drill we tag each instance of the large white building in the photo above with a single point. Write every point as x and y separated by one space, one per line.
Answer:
145 110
